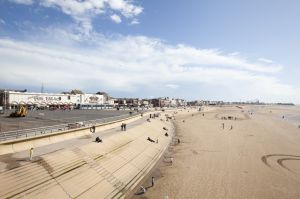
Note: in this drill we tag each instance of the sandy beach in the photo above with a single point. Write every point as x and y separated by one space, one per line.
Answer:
258 158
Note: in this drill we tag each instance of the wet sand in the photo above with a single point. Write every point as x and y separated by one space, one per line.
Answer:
258 158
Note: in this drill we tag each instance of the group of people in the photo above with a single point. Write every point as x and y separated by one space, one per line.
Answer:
123 127
154 115
223 126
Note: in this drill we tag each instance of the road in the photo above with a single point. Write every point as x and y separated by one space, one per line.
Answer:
48 118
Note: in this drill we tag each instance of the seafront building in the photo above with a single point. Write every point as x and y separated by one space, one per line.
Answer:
167 102
11 99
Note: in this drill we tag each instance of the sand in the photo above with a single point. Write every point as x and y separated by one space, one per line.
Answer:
258 158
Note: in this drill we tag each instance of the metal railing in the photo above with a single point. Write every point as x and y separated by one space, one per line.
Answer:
27 133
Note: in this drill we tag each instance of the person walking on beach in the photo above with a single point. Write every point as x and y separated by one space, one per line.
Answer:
122 126
31 154
152 181
171 160
223 125
231 127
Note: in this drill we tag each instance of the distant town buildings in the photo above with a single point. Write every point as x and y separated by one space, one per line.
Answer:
76 99
149 103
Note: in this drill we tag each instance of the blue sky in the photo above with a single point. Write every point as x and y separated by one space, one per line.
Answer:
219 50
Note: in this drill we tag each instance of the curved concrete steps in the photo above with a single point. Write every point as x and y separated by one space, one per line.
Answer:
95 170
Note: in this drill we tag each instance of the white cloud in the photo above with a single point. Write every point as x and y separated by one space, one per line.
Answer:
84 11
134 22
234 54
127 9
2 22
116 18
172 86
268 61
26 2
130 64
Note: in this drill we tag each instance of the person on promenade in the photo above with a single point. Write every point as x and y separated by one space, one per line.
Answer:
149 139
93 129
31 154
98 140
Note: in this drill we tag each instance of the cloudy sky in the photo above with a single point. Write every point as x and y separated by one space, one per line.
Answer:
197 49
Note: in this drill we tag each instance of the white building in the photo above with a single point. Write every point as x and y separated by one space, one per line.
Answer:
12 99
178 102
91 101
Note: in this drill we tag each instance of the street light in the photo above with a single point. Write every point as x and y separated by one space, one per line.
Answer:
4 100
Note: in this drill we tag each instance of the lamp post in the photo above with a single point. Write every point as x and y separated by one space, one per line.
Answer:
4 101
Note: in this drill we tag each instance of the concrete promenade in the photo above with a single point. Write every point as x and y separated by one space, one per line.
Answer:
82 168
